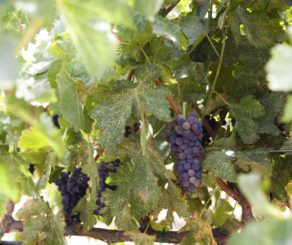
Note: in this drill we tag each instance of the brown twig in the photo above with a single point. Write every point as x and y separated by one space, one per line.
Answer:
8 223
130 75
231 190
112 236
99 153
171 7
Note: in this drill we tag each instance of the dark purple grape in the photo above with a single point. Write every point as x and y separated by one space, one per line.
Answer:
179 141
136 127
191 172
72 187
31 168
186 125
187 166
56 121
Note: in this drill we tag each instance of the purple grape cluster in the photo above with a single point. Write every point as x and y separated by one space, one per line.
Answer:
184 137
72 187
134 129
103 172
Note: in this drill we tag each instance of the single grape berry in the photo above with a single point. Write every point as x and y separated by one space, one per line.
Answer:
31 168
56 121
72 187
184 137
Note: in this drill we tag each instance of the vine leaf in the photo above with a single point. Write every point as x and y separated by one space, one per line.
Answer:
41 121
245 114
273 104
278 67
170 30
32 140
250 187
221 214
137 188
261 29
70 103
221 164
9 189
93 39
112 114
40 224
194 28
141 238
147 8
272 232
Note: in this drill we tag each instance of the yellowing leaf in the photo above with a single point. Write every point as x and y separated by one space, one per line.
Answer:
32 139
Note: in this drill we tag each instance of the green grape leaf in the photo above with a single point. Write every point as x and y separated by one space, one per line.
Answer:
85 208
194 28
172 201
40 224
261 29
273 104
70 103
125 220
221 164
9 189
137 187
254 160
141 238
32 140
245 114
250 187
93 39
200 232
281 175
278 68
111 117
147 8
287 115
169 30
147 73
112 114
271 231
40 121
222 212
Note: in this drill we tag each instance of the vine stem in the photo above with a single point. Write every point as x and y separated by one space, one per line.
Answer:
113 236
224 33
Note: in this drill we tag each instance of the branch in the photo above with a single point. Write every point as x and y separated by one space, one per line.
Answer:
130 75
232 190
171 7
8 223
112 236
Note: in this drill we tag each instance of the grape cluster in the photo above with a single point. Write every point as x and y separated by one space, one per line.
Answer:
129 130
103 172
184 137
72 187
